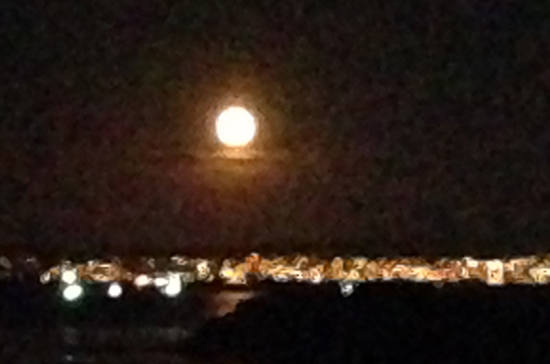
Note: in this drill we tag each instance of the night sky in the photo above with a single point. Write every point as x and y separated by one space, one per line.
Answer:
387 127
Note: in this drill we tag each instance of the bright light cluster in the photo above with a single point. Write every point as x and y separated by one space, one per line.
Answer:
349 272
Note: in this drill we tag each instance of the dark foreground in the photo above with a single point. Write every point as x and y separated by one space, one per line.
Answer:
379 323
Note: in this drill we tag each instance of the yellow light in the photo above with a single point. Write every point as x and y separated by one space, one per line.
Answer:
235 127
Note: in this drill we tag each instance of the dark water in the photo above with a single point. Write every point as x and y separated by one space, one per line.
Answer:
380 323
85 344
37 326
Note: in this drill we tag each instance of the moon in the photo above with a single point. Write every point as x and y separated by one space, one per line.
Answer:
236 127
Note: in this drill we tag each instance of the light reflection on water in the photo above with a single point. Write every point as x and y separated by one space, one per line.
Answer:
86 344
142 337
92 343
226 302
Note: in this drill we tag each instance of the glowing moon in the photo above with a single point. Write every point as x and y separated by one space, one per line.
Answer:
235 127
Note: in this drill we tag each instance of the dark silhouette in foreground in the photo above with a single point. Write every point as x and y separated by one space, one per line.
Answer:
383 323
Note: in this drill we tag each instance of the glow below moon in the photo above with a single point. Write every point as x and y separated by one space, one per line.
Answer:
235 127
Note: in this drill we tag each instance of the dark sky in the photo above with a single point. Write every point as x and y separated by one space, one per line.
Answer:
406 127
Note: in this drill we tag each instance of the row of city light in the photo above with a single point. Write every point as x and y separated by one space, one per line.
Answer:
75 291
72 289
348 273
171 286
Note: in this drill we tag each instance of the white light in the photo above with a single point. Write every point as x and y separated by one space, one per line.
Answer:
235 127
69 276
161 281
46 277
115 290
173 288
72 292
347 288
141 280
281 277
